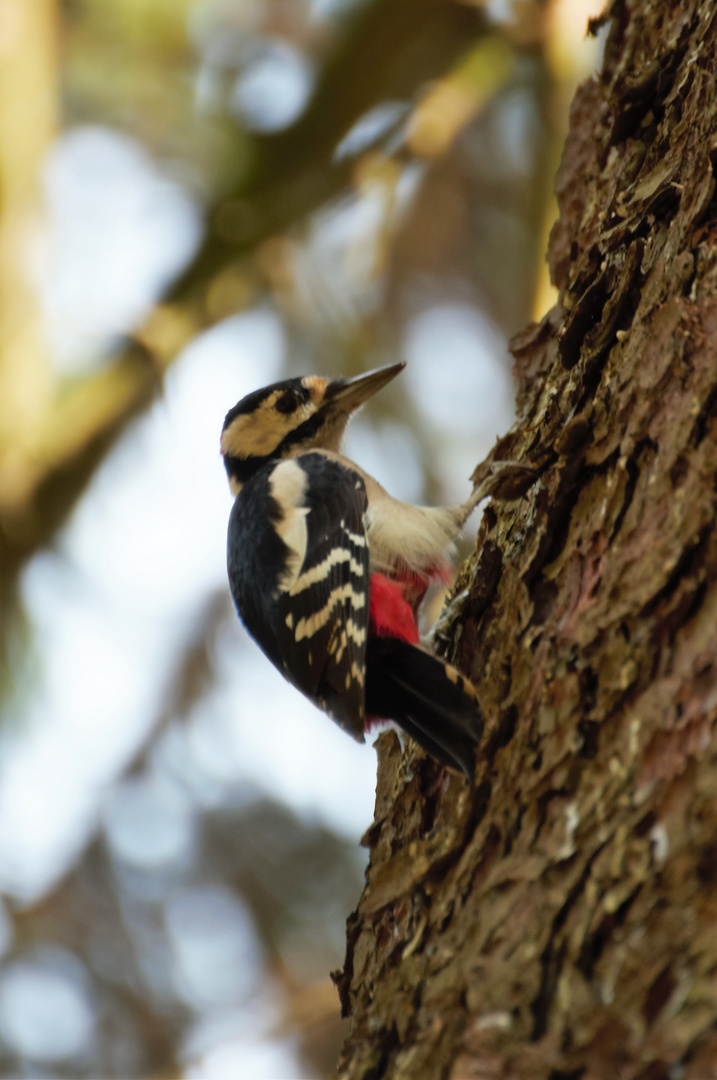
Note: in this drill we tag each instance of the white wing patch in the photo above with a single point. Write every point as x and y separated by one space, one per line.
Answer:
307 627
323 569
288 485
355 538
358 633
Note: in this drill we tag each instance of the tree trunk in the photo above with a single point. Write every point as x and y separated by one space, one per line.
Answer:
559 919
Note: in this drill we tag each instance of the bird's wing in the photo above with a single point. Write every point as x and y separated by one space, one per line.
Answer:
312 619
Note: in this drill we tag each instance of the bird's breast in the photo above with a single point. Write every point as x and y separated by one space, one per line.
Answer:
409 541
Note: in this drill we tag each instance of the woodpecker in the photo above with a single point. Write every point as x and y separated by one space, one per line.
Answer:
328 571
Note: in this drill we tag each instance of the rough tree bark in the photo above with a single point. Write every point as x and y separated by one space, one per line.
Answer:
559 919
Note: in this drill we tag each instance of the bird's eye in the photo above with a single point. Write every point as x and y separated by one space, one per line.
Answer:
287 403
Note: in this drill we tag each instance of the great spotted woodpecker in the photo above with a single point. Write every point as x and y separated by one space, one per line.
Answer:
327 570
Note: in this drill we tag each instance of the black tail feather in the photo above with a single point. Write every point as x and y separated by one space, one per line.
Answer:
460 755
428 698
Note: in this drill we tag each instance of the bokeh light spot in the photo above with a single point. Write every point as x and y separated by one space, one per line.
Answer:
44 1011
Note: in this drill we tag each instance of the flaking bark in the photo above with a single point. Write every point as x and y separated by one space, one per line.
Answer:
559 919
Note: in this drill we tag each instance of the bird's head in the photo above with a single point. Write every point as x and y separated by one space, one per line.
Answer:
291 416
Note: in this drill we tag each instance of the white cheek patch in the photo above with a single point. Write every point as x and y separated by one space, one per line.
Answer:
253 434
260 432
288 484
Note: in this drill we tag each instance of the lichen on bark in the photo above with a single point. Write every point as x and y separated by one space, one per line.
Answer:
559 918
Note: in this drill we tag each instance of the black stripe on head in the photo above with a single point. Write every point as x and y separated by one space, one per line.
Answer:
242 469
302 433
295 393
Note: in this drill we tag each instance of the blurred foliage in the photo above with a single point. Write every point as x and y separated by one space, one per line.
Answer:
466 115
136 66
112 916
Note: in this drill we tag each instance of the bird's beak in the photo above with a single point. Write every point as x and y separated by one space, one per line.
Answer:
345 395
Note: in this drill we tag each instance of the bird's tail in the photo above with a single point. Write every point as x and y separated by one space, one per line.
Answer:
428 698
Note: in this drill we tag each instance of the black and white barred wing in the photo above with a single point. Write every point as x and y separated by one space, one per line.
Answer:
312 619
